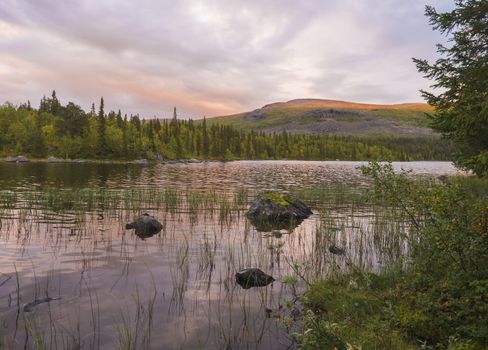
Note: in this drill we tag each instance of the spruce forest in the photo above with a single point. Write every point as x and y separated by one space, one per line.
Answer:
67 131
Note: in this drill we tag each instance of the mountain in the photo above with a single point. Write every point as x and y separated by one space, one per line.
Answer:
334 117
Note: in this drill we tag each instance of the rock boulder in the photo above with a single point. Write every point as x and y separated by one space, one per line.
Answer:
145 226
253 277
277 210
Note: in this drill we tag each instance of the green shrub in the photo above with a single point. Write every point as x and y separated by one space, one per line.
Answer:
438 299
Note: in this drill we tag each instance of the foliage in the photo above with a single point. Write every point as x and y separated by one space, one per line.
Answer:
461 79
344 314
69 132
439 297
445 290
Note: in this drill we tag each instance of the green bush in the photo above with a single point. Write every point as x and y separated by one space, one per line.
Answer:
446 280
438 299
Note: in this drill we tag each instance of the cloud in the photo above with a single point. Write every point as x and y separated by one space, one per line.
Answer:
212 57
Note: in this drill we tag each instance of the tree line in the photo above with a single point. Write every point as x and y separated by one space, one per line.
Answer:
67 131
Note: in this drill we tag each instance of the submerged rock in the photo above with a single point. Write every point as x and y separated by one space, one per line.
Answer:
29 306
145 226
277 210
336 250
253 277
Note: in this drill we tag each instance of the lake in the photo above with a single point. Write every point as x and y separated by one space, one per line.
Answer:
63 237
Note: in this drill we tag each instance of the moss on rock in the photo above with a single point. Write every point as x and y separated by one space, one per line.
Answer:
281 199
277 210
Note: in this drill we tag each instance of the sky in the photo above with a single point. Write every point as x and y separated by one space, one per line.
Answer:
213 57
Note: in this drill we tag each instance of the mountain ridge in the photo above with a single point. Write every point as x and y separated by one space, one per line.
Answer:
318 116
325 103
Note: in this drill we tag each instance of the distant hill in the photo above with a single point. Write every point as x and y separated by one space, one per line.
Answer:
334 117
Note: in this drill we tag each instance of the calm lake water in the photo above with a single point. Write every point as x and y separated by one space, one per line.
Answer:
63 236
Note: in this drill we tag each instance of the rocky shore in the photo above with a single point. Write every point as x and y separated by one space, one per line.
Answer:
24 159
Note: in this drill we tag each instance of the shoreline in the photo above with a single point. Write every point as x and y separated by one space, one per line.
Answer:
53 160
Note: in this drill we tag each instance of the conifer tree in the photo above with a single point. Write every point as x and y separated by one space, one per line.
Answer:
205 138
120 121
101 130
38 142
54 103
125 141
461 81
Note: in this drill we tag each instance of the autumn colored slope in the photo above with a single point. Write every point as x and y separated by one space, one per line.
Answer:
335 117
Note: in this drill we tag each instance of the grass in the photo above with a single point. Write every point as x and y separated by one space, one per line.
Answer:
431 293
350 301
350 312
92 200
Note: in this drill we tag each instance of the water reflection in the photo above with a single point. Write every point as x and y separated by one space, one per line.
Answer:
276 228
279 175
177 289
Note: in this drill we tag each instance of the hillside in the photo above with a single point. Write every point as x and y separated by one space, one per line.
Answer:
334 117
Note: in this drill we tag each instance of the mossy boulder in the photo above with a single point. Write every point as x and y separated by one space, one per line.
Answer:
277 210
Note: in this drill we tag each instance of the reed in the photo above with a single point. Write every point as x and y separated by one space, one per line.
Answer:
206 240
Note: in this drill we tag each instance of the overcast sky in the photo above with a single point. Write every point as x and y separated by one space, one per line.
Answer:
213 57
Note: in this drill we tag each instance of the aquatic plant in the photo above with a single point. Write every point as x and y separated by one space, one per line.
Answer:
194 261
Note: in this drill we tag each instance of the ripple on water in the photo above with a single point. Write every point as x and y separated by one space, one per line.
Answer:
183 277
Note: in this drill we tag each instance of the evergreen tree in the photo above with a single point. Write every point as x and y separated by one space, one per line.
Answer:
125 141
461 77
205 138
134 120
54 104
38 143
120 121
43 106
73 120
101 130
65 135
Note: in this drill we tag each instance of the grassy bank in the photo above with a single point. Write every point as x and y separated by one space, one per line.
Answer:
436 297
